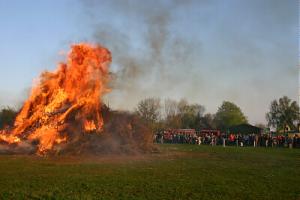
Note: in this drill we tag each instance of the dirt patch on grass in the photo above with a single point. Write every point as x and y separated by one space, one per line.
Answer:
168 154
171 154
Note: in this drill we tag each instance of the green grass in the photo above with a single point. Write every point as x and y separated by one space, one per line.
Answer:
178 172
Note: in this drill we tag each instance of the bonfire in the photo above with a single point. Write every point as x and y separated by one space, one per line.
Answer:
65 113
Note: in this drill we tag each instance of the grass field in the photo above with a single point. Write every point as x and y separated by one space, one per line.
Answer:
178 172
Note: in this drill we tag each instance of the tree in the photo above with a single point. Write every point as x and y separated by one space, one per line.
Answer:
207 122
7 117
229 115
172 119
283 113
182 114
190 114
149 110
170 108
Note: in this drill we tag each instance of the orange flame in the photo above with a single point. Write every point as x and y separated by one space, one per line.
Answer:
65 100
89 126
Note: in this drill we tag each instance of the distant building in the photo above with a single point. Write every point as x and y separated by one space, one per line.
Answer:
245 129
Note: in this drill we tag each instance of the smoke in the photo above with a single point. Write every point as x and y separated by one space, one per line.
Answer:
146 51
23 147
205 51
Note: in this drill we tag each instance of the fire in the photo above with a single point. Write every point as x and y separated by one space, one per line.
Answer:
65 103
89 126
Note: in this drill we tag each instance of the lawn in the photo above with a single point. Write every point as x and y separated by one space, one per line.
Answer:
177 172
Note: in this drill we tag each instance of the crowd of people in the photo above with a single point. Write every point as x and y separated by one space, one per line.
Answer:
255 140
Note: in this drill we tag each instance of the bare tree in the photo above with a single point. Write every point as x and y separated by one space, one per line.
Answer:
149 109
182 114
170 108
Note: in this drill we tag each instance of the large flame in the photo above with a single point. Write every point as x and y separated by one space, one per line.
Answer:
65 102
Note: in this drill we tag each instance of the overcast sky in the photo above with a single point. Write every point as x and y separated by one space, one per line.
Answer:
207 51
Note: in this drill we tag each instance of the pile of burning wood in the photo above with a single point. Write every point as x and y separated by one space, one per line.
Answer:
65 113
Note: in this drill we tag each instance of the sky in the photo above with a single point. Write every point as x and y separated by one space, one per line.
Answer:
206 51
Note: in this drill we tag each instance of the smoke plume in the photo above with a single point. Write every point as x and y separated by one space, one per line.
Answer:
147 59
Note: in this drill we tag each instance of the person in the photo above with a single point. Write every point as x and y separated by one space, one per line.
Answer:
237 138
290 142
212 142
266 141
199 140
246 139
162 139
224 141
231 139
274 142
256 140
295 140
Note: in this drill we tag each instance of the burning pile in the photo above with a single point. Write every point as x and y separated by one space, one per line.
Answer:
65 112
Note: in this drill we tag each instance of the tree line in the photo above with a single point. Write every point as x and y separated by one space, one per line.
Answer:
170 113
182 114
